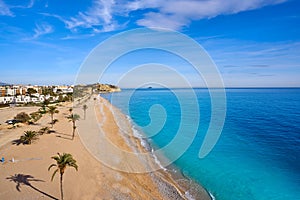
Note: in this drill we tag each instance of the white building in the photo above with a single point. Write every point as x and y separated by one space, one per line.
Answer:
63 89
6 100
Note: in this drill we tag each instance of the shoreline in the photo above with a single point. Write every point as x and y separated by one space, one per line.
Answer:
179 180
26 165
161 182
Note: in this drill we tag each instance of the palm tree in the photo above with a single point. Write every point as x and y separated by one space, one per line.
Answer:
73 118
62 162
85 107
44 105
52 110
28 137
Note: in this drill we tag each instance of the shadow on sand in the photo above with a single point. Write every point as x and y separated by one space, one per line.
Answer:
22 179
16 142
64 136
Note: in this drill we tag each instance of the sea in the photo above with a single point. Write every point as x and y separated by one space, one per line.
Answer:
257 156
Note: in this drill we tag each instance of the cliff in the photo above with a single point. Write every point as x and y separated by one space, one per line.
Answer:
107 88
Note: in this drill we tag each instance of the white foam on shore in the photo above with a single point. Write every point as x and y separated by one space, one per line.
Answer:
145 143
188 195
158 162
125 126
211 195
136 133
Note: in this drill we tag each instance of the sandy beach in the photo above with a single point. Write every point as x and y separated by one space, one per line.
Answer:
28 176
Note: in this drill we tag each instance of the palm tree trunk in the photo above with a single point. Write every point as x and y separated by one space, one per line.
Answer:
51 121
74 127
61 187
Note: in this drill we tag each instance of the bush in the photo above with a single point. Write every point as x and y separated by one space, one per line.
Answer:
36 116
22 117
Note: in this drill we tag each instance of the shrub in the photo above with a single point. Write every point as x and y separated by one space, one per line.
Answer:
36 116
22 117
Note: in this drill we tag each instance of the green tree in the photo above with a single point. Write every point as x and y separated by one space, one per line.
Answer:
73 118
35 116
31 91
84 107
44 106
62 162
60 98
52 110
28 137
48 91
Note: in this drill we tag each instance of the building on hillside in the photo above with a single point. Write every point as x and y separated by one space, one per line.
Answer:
2 91
7 100
63 89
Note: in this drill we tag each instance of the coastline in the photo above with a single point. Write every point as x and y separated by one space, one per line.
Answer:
187 188
24 173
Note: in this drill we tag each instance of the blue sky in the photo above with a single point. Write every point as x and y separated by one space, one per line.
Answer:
254 43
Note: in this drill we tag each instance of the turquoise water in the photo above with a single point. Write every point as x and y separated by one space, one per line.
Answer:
258 154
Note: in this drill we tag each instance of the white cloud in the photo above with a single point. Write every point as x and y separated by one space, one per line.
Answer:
42 29
173 14
99 17
29 5
160 20
75 37
5 10
179 13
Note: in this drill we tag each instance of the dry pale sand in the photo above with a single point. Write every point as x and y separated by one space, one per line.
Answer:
7 134
28 177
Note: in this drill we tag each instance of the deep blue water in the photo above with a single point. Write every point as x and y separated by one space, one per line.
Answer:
258 154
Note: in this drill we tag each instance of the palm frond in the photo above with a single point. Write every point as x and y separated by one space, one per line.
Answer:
28 137
74 165
62 161
53 165
54 174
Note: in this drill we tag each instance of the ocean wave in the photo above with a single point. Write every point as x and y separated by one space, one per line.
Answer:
211 196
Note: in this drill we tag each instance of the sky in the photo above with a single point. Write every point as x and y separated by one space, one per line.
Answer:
254 43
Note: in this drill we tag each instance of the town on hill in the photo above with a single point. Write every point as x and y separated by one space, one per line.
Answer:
34 94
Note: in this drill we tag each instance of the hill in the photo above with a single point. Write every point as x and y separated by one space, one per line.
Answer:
1 84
